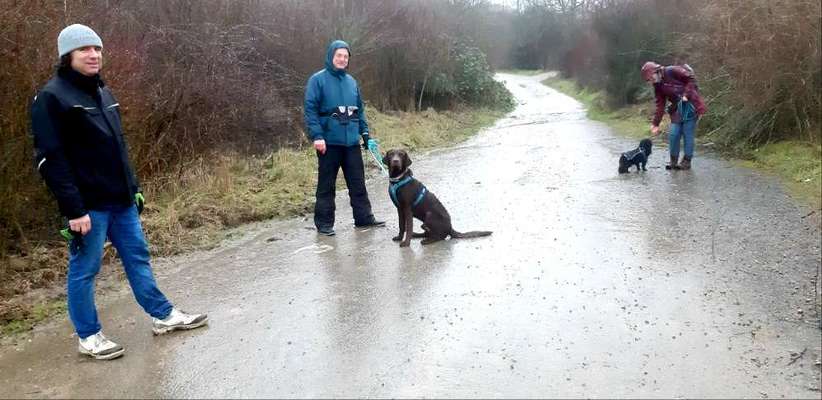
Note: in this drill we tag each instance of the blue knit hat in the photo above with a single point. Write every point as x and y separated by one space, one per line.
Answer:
76 36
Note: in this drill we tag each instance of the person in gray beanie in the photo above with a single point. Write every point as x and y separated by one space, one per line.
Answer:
76 36
80 152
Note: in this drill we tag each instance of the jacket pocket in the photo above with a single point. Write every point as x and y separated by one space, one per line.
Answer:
334 133
113 114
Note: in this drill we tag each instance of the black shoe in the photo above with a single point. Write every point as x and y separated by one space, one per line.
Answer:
326 231
373 223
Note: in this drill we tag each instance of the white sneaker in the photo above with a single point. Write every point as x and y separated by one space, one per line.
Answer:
100 348
178 320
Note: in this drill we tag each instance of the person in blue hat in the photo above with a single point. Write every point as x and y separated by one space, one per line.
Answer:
335 123
80 152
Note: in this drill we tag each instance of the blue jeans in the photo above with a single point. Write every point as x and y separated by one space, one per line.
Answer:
684 130
122 226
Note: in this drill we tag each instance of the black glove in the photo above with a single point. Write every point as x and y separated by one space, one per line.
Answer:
365 139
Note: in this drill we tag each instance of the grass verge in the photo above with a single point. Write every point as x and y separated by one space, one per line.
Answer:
192 208
628 121
798 165
37 313
189 210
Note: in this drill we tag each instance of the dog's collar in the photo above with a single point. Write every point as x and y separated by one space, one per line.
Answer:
400 176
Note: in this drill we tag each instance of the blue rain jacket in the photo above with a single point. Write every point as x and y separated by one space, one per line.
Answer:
327 90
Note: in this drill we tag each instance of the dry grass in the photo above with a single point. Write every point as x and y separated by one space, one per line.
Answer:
188 211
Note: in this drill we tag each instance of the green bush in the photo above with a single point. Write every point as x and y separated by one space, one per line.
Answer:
474 81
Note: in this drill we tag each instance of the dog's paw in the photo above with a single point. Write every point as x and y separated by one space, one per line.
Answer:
405 244
397 238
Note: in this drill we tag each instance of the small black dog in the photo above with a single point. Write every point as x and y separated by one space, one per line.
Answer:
637 156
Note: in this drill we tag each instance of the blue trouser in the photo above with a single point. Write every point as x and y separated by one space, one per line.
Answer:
350 159
122 226
684 130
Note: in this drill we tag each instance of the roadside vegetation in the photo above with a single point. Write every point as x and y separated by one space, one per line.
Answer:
797 164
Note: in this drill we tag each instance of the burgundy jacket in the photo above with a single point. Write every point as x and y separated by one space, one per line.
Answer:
675 82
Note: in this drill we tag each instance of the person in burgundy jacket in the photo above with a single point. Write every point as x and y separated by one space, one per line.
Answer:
677 85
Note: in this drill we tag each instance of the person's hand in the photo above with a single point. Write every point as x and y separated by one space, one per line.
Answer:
369 144
684 98
82 224
139 201
319 145
655 130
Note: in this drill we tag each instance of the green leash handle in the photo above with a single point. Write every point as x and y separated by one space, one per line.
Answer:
67 234
75 239
377 160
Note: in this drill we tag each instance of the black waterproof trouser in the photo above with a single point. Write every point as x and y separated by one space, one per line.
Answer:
350 159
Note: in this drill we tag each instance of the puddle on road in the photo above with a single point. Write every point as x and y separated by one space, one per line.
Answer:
316 249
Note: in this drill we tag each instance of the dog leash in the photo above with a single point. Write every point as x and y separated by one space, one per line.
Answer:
686 109
377 160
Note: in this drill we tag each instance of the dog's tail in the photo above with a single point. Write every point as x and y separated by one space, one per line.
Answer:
472 234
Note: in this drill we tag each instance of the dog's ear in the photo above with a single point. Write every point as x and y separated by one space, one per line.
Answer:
406 160
387 157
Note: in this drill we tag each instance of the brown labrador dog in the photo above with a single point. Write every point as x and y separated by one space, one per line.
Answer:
413 200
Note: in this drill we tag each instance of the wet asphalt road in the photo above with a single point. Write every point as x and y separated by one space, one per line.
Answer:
594 284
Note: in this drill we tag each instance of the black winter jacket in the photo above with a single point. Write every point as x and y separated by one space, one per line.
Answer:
79 147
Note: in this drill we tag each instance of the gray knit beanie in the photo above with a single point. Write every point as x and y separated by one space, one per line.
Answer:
76 36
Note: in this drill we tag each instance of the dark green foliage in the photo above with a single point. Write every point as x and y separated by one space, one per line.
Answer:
473 79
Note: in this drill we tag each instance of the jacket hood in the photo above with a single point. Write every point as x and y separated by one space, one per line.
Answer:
329 57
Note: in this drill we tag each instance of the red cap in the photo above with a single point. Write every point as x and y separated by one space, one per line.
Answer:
648 69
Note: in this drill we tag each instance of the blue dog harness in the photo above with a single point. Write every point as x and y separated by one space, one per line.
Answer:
395 186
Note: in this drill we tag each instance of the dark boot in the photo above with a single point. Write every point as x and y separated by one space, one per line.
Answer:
686 163
674 163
